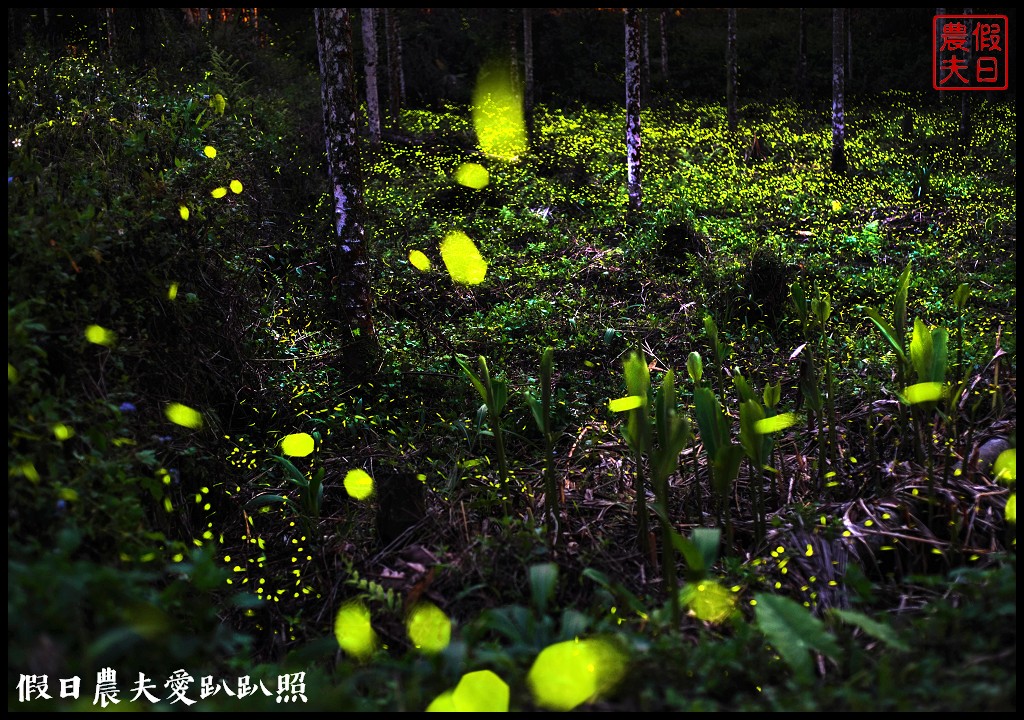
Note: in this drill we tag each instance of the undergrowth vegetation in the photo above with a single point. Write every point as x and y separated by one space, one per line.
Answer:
753 451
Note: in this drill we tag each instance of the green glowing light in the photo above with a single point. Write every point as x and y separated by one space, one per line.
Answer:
100 335
498 112
297 444
183 211
183 415
219 192
419 261
708 601
358 484
480 691
462 259
236 186
1006 466
210 152
573 672
924 392
472 175
429 628
353 631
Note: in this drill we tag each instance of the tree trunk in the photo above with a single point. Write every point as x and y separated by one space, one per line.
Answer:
511 25
369 16
528 63
838 101
730 71
801 58
965 105
340 112
394 51
645 64
663 31
633 169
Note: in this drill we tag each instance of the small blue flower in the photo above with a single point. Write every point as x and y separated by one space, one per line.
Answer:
126 407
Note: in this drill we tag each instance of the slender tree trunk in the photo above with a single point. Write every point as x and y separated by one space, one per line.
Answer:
663 32
848 73
394 63
340 113
369 16
645 66
801 58
838 101
731 72
634 186
511 24
965 105
528 62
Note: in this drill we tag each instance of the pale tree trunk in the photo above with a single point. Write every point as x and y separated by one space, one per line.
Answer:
633 170
111 40
394 48
369 16
838 101
663 31
511 23
848 72
340 111
730 71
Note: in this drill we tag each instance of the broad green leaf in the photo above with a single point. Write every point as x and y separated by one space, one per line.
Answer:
900 308
472 175
358 484
940 350
793 632
1005 467
473 379
622 404
742 386
419 261
543 583
924 392
429 628
463 260
772 394
875 629
710 421
726 467
961 295
353 631
270 499
888 333
752 413
775 423
695 367
1011 509
696 565
921 351
297 444
183 415
568 674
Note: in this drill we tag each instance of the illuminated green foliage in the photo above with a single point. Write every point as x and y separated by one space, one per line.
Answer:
1005 467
